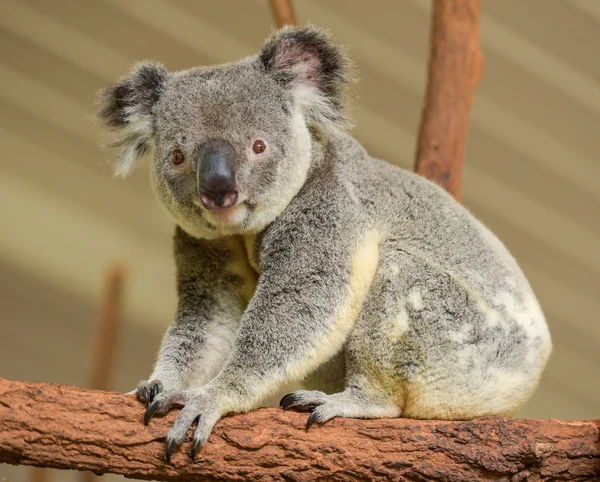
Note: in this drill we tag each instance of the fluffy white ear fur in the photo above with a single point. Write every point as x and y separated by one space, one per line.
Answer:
134 141
127 108
317 72
317 108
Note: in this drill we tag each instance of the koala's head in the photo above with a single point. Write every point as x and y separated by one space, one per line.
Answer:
232 143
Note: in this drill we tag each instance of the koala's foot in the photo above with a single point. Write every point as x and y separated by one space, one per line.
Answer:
148 389
198 406
351 403
303 400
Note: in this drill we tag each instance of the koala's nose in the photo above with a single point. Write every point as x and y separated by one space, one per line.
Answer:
216 174
224 198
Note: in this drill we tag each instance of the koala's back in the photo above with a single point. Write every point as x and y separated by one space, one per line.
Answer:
450 325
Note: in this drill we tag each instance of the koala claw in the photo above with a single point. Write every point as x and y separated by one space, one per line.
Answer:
303 400
171 445
286 401
195 449
151 410
311 419
148 390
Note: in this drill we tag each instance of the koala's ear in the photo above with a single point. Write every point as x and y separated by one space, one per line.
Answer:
127 108
316 70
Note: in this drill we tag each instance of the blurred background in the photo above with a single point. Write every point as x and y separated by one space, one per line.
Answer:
531 170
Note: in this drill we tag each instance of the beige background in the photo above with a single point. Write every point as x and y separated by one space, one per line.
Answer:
532 169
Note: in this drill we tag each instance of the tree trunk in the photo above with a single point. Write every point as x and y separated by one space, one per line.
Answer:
65 427
455 67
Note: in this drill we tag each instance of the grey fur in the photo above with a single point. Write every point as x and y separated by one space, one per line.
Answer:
334 268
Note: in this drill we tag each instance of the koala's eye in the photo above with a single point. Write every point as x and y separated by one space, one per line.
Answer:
259 146
177 157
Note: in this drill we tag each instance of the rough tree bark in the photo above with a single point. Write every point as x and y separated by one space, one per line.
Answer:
66 427
455 67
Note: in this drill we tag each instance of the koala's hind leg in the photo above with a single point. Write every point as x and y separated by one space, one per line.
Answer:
373 387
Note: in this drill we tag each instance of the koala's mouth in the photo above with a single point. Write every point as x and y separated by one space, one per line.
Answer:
223 215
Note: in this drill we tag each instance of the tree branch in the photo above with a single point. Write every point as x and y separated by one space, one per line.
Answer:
65 427
283 10
455 67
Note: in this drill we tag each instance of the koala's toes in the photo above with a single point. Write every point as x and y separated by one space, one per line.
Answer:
190 414
322 414
148 390
162 402
303 400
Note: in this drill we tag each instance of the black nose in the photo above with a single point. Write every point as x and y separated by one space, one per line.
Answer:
216 174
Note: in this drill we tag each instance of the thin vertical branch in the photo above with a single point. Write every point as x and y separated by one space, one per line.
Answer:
283 11
107 329
455 67
40 474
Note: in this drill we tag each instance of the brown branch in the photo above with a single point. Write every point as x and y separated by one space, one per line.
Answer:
65 427
283 11
455 67
107 327
40 474
107 331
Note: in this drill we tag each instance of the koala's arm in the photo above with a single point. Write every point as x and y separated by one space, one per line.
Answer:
212 285
316 271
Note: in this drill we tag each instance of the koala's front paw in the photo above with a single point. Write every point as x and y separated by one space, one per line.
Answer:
148 389
198 405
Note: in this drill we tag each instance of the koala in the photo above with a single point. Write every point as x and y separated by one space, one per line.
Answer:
300 258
